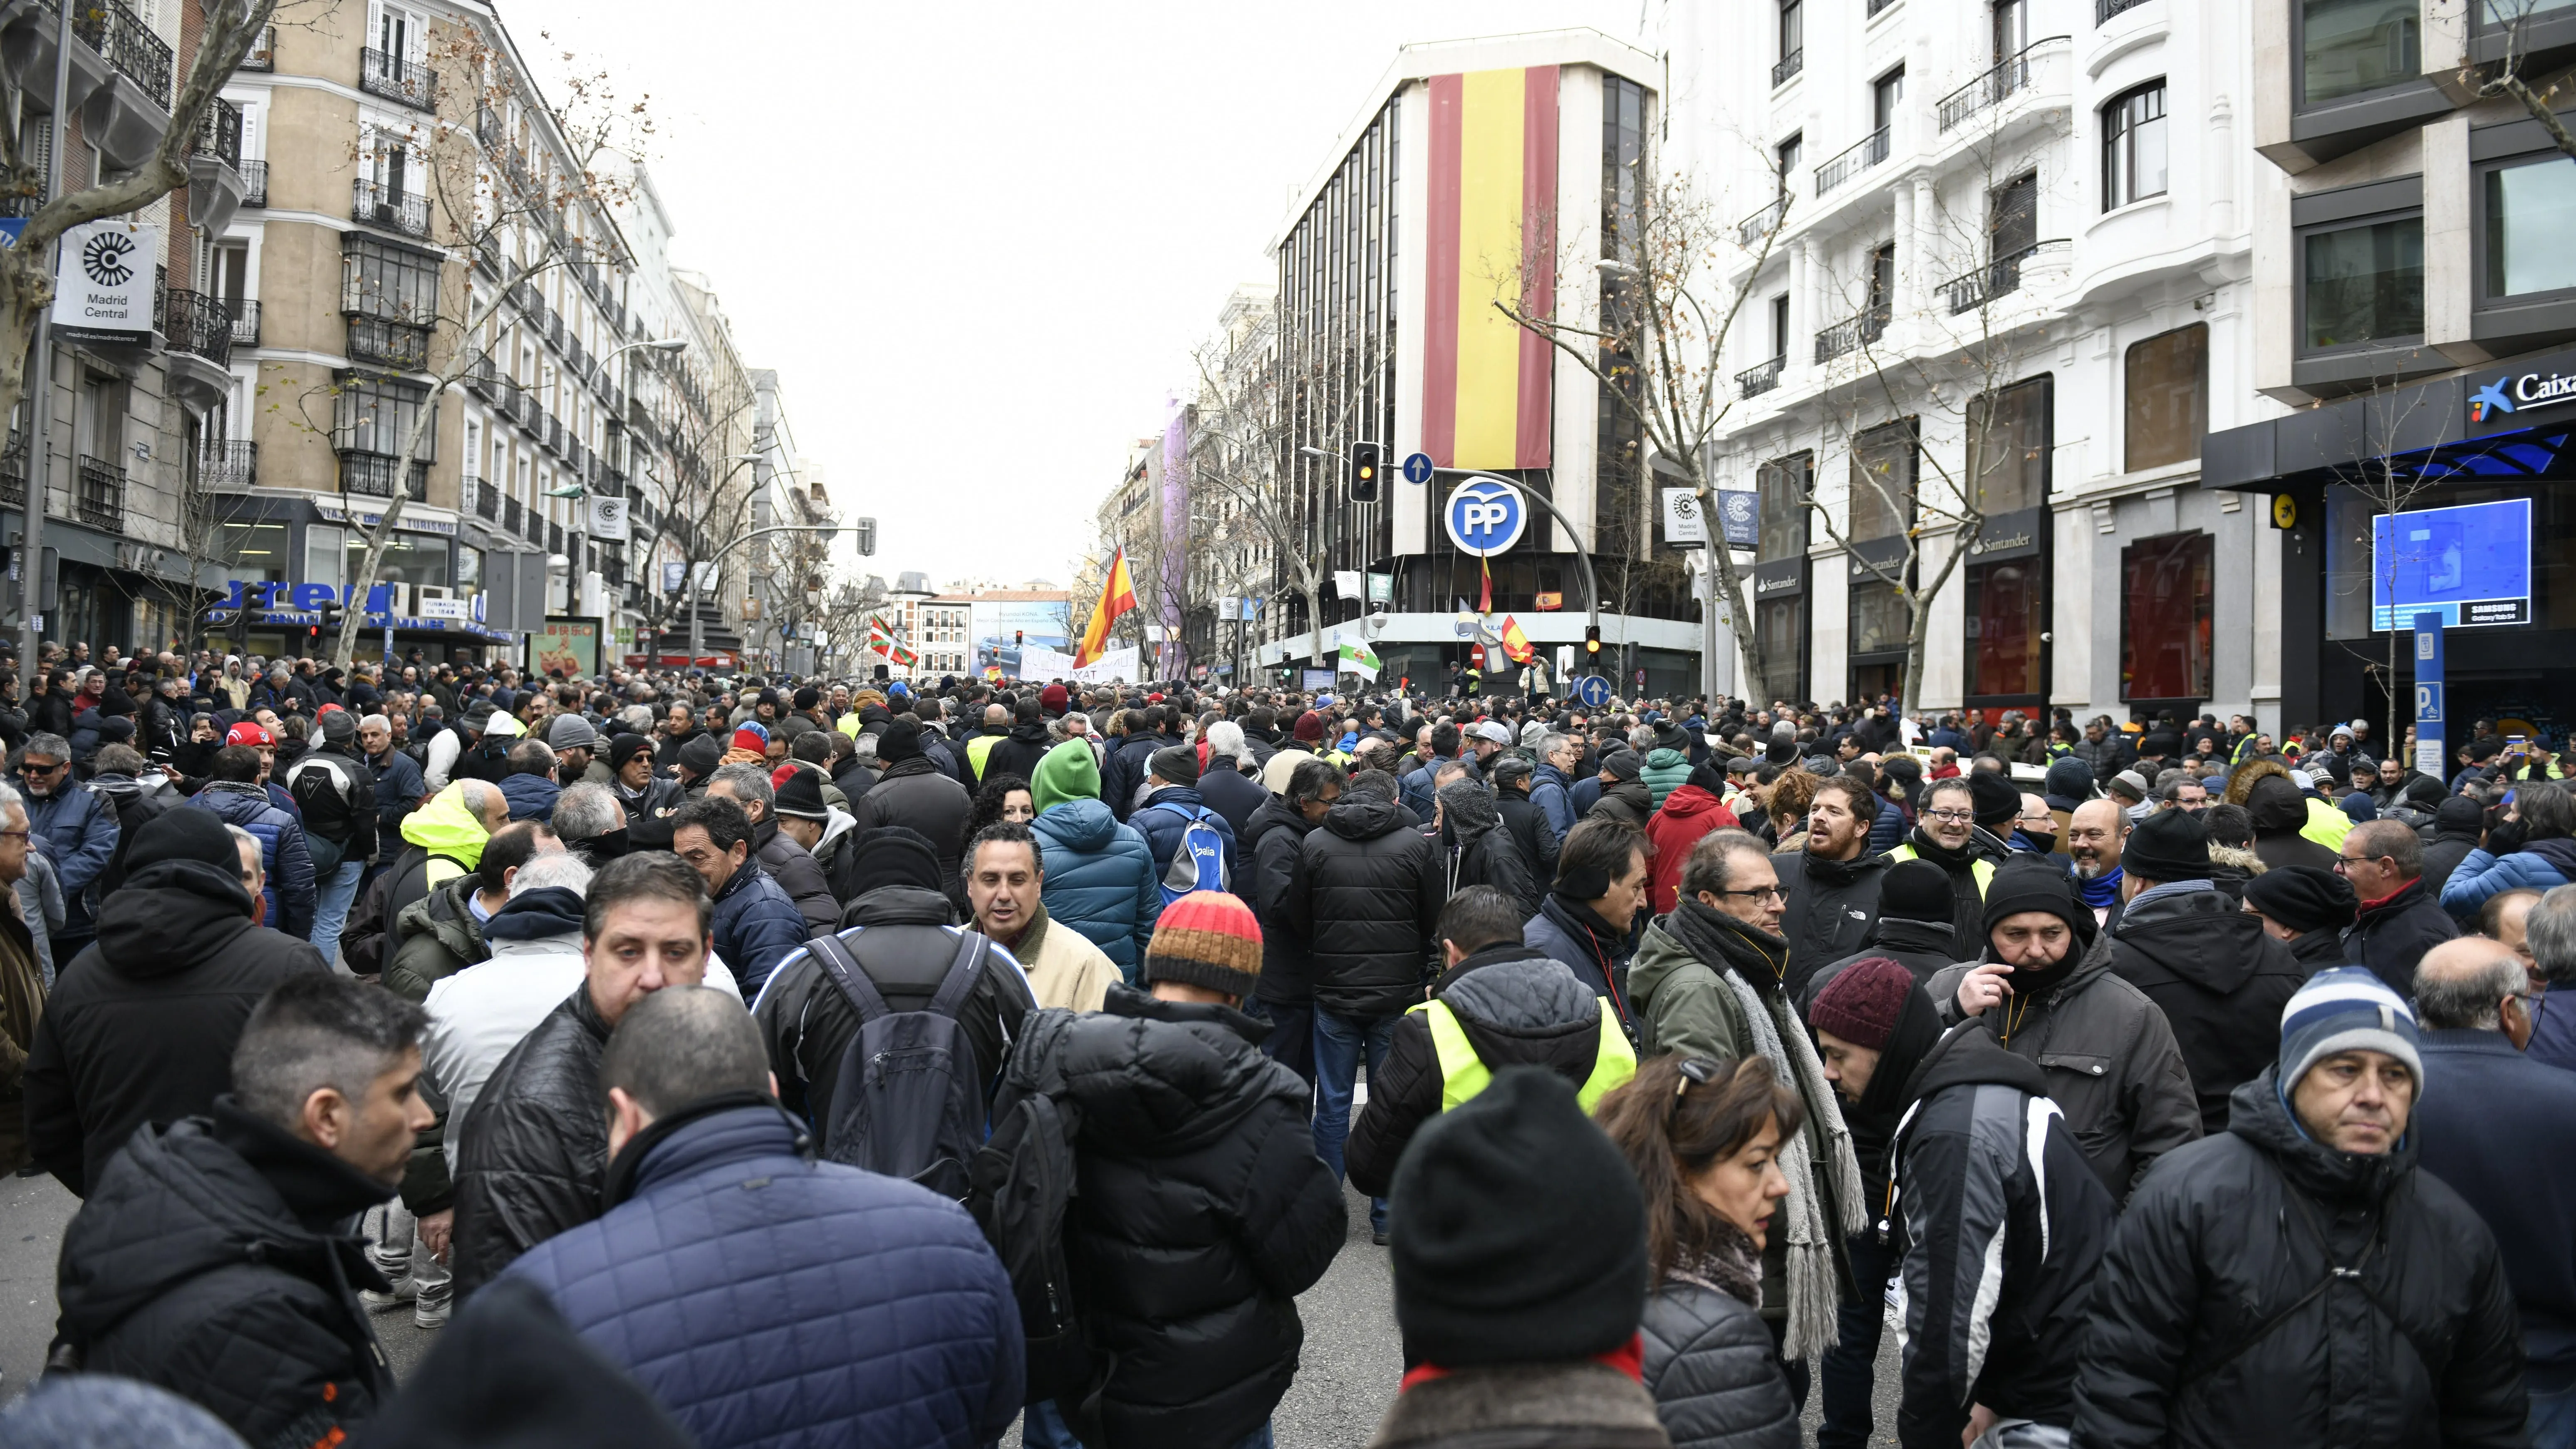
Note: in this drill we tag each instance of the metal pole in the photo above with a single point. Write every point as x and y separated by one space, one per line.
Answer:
40 458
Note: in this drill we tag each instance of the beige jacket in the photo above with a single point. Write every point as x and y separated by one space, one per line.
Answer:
1063 967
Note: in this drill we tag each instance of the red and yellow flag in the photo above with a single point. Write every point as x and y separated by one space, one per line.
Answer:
1515 643
1490 234
1117 596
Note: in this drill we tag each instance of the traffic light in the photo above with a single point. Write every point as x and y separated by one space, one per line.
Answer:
1365 458
1592 641
867 531
1020 637
333 614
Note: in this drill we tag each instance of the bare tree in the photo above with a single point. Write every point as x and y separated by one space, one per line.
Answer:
504 199
701 500
2389 445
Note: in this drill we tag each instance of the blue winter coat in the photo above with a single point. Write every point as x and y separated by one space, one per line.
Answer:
831 1306
282 851
1126 770
756 926
2482 874
78 828
1163 828
1099 880
1549 792
531 797
398 791
1888 831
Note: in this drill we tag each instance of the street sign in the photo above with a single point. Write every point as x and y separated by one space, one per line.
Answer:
2429 754
1485 516
1593 690
2428 702
1417 468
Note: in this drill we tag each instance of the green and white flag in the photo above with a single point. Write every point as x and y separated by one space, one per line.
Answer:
1358 658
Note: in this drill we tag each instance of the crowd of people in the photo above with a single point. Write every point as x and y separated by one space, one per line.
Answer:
752 1061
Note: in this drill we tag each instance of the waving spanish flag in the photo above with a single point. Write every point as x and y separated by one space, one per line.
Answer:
1515 643
1117 596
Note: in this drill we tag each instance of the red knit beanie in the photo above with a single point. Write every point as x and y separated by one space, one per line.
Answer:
1210 939
1310 727
1862 1002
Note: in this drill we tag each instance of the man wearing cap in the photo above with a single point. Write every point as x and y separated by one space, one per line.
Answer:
1172 803
2296 1279
1624 796
2109 1059
2306 908
141 1028
574 741
1947 836
2219 978
824 831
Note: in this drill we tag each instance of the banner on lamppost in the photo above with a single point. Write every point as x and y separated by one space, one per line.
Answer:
104 286
607 518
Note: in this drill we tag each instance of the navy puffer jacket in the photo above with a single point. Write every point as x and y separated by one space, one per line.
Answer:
756 925
829 1306
282 851
1099 879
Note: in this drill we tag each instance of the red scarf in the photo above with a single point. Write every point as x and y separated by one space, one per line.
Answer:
1629 1358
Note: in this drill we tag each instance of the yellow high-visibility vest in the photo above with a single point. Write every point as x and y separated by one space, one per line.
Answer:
1463 1073
1981 869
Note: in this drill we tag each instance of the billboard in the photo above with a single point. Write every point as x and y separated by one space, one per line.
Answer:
567 646
2471 564
1003 627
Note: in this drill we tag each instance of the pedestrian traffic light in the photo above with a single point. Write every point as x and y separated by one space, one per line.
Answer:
1364 465
1592 639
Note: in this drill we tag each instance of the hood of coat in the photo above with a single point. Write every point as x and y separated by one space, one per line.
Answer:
1898 934
1468 812
2257 1113
1690 802
1969 1054
171 916
536 915
531 797
445 826
1663 757
1069 773
444 913
896 905
1162 1078
2200 936
1032 733
1364 819
1517 988
205 1194
1081 824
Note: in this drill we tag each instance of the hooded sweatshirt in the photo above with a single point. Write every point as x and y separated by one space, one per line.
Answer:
450 832
1099 873
2220 980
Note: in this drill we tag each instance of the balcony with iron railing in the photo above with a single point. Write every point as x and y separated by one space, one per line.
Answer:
194 323
227 465
2103 10
245 320
1852 332
1787 66
513 516
220 133
1853 160
2006 77
129 46
1750 231
13 470
487 503
388 344
373 203
254 175
372 474
101 501
263 52
1755 381
402 81
1996 278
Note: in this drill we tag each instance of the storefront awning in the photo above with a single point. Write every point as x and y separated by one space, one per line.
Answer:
2505 421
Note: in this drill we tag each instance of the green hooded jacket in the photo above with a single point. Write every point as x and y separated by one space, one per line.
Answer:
450 831
1665 771
1682 1005
1070 771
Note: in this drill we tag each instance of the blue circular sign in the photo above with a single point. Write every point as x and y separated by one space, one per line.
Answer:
1485 516
1417 468
1593 690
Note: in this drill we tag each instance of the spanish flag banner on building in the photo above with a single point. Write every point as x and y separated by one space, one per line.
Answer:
1117 596
1491 234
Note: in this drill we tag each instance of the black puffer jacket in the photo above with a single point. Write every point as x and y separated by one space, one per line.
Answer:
1480 850
535 1145
211 1261
1269 842
2391 936
1366 898
2221 982
1202 1213
798 874
1922 947
913 793
142 1023
2245 1232
1827 908
1018 752
1518 1007
1714 1371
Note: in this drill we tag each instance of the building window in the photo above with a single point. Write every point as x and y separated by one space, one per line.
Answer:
2165 593
1783 485
1793 40
2530 214
2347 47
1884 94
2133 146
1882 481
2168 398
1781 626
376 414
383 280
1786 156
1878 619
2362 283
2008 441
2007 612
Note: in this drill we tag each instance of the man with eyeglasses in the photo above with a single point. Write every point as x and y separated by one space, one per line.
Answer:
1947 836
2397 919
75 827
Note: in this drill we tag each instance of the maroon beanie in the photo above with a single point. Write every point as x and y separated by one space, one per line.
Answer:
1862 1002
1310 727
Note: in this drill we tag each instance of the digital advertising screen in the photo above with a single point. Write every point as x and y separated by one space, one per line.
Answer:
2471 564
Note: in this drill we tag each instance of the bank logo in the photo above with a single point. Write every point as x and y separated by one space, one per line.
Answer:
2490 402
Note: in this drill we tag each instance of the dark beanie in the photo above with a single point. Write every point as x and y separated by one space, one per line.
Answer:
2034 883
808 697
626 747
183 835
1995 799
1917 890
1518 1231
2302 897
1863 1001
1780 752
1175 765
2169 845
901 741
1622 764
801 797
701 756
891 855
2460 813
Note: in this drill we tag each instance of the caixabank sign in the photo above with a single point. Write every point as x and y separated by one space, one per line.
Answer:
2531 394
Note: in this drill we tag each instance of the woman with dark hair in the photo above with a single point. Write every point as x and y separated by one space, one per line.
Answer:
1003 799
1704 1142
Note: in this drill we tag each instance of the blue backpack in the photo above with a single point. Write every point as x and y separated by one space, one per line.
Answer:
1199 863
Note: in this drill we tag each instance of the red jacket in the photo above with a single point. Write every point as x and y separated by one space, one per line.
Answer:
1687 814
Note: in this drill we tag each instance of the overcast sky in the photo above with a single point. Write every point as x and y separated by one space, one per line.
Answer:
978 241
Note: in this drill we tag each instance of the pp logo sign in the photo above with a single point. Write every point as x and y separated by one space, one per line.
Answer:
1485 516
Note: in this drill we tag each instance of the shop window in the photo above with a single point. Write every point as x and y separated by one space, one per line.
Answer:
1781 627
2007 612
2165 599
2347 47
1878 620
2167 391
2008 437
1882 481
1783 485
2530 214
2133 146
2362 283
255 551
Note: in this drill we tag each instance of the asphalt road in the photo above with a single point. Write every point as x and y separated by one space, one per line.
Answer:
1347 1379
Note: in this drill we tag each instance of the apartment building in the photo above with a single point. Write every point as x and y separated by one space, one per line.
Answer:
786 574
2417 303
1232 434
2014 240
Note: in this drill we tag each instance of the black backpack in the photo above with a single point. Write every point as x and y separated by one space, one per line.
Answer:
1024 1186
906 1103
